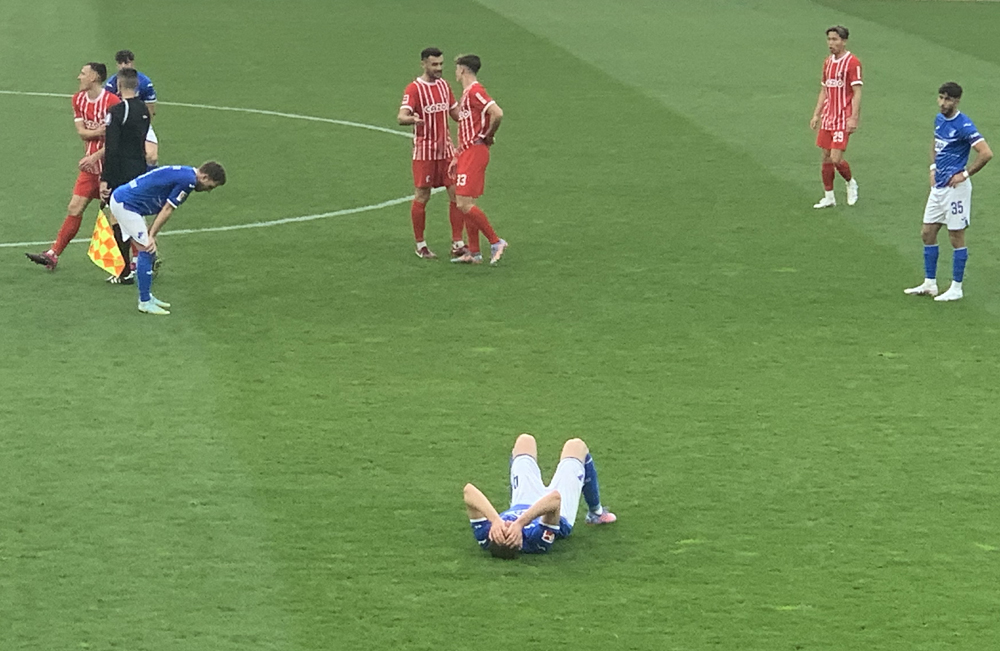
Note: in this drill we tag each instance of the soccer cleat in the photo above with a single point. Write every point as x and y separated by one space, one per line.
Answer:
157 302
458 251
606 517
469 258
953 294
825 202
926 288
124 279
149 307
852 192
48 260
425 253
497 251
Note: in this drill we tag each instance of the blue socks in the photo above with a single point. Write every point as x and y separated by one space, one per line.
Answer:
930 261
958 261
591 492
144 271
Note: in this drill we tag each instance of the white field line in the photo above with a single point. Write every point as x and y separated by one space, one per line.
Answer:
262 224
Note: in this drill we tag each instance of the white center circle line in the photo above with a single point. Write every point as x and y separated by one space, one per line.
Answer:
261 224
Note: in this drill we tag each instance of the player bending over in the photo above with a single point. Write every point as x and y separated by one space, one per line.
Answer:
157 193
538 514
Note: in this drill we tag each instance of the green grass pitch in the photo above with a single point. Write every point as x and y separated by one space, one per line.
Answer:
800 456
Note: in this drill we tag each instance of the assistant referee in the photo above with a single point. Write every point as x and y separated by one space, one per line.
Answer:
124 153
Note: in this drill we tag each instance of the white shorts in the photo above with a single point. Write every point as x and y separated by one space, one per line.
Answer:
527 487
151 135
133 224
951 206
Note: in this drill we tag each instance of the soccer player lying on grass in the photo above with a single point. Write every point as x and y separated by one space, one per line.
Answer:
538 514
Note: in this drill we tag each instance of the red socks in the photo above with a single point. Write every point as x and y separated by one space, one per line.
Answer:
828 175
844 169
69 229
478 218
418 215
457 220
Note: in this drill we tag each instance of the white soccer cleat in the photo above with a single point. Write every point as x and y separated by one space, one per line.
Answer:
926 288
826 202
149 307
953 294
852 192
157 302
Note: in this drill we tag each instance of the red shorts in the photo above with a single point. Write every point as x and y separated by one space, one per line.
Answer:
832 139
432 174
88 185
470 176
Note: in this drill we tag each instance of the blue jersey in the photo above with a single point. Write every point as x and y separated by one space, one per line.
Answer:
148 194
953 138
538 536
145 91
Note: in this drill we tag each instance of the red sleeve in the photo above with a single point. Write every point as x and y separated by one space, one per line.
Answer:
854 73
411 98
77 113
114 99
479 96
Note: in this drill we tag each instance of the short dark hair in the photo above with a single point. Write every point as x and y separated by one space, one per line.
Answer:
470 61
100 69
430 52
951 89
128 78
214 171
842 31
124 56
503 551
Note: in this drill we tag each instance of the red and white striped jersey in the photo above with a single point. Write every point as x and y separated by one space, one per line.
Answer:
431 101
92 113
472 116
840 76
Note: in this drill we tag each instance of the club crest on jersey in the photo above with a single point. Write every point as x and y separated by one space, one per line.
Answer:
549 536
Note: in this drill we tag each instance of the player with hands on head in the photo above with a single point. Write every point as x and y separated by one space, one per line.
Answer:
538 515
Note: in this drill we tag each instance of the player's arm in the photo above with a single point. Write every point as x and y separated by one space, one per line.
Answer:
933 159
814 122
161 219
496 115
152 108
88 134
852 122
478 505
547 508
407 117
983 155
453 112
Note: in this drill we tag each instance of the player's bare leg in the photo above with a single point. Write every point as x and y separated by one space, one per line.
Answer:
525 444
960 253
418 215
928 233
70 227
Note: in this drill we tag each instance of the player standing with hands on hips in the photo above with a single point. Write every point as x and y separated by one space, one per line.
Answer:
836 116
950 200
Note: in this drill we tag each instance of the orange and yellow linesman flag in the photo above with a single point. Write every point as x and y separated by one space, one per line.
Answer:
104 249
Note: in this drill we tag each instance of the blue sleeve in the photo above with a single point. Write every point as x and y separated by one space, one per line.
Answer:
179 193
972 133
111 85
147 93
481 532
